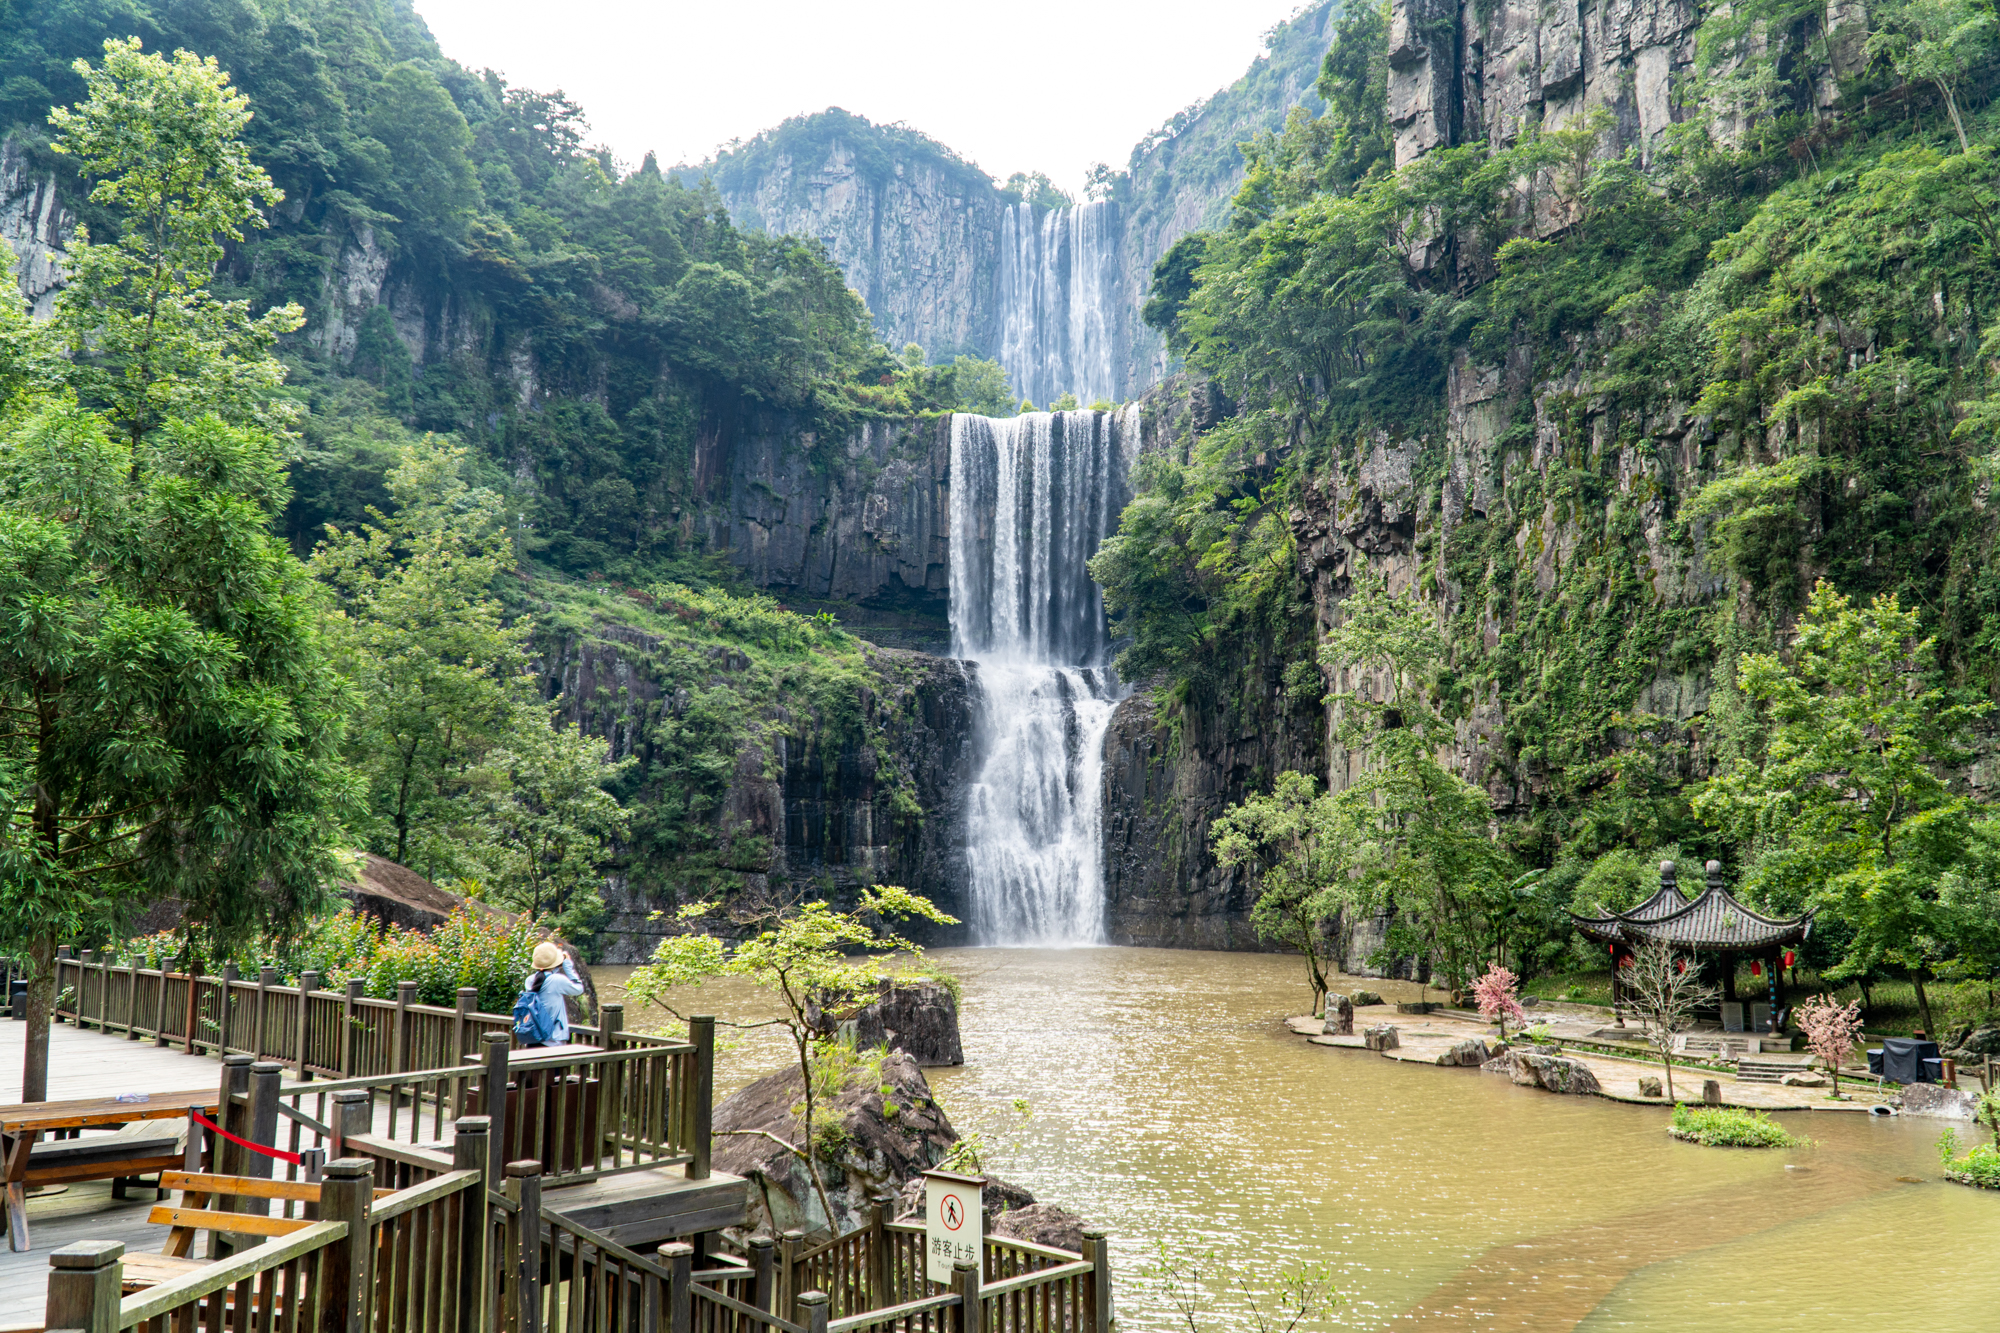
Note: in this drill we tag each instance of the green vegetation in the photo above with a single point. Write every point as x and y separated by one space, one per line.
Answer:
473 947
1978 1165
1730 1127
822 965
1743 416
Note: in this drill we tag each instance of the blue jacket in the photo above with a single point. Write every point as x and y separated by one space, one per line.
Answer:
552 990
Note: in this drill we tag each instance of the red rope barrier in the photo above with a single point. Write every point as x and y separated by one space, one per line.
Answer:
278 1153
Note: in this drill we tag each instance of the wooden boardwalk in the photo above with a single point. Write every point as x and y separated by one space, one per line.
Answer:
91 1064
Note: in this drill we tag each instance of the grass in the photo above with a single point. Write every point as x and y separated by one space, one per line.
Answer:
1730 1127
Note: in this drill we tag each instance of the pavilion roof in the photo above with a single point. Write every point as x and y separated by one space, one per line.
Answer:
1714 921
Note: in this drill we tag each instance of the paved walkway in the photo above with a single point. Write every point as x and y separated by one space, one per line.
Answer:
1425 1037
91 1064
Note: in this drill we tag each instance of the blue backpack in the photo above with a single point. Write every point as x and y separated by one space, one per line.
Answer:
533 1023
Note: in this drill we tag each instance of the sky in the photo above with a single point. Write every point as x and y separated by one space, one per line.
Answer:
1019 85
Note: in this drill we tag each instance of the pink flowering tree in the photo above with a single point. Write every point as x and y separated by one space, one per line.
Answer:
1497 997
1832 1031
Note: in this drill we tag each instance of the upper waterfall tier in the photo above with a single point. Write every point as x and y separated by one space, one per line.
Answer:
1060 301
1031 498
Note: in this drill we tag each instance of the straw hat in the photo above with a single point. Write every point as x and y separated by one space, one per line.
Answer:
548 955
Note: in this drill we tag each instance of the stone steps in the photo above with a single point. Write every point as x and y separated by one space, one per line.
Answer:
1750 1070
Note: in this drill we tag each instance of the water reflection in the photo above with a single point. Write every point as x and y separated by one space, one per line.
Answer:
1167 1100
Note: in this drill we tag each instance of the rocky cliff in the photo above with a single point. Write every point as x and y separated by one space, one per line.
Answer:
35 223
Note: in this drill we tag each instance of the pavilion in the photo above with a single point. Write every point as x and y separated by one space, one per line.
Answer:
1714 923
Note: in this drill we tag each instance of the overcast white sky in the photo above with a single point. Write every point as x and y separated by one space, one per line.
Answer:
1017 85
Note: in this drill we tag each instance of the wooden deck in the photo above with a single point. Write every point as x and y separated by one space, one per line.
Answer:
82 1212
90 1064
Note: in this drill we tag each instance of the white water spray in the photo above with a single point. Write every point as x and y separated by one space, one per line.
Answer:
1059 301
1031 498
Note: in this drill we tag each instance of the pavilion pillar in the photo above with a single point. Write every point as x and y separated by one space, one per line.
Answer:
1727 962
1617 992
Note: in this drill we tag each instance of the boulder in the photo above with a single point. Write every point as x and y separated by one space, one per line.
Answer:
1553 1073
864 1149
1381 1037
1804 1079
1976 1045
1649 1086
1937 1101
1339 1016
1711 1092
1466 1054
917 1018
1365 997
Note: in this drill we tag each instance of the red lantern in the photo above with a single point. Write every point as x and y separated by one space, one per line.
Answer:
1681 965
1756 969
1791 959
1611 949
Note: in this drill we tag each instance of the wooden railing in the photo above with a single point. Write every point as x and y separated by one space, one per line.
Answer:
559 1275
332 1034
415 1261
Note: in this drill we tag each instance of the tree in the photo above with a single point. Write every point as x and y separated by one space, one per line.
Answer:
443 678
1296 841
1938 42
1832 1031
1497 994
1190 1282
805 955
1428 852
551 823
171 723
1664 991
1845 807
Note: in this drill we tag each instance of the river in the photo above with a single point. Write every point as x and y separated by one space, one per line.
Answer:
1167 1102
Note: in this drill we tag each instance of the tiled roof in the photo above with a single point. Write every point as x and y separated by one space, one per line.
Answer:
1715 920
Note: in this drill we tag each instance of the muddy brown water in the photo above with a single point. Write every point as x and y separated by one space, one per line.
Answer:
1167 1102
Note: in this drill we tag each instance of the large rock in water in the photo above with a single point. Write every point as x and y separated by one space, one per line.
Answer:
865 1148
1339 1016
920 1019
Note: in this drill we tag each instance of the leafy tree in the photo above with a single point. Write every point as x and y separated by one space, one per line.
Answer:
442 677
1846 807
173 725
823 965
1297 841
1939 42
1429 854
551 824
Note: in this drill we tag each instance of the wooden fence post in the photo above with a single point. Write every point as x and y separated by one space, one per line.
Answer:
265 1075
132 998
350 1040
260 1046
84 1283
881 1213
469 1153
1097 1249
677 1257
225 1000
965 1285
811 1311
762 1260
701 1032
610 1025
468 1000
493 1095
346 1194
789 1245
308 983
400 1041
87 957
353 1113
524 1191
234 1116
167 962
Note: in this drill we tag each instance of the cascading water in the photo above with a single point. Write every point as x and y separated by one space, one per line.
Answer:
1059 301
1031 498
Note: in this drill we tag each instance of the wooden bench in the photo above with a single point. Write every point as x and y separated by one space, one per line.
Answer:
199 1190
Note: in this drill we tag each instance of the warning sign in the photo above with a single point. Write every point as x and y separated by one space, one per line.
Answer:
954 1222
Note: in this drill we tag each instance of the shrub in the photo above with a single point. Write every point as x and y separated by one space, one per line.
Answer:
470 948
1730 1127
1979 1166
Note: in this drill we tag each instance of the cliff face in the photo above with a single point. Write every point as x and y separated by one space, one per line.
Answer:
814 804
35 224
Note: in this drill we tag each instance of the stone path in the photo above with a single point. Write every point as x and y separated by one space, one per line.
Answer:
1426 1037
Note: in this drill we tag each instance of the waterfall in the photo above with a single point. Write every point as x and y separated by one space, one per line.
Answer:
1059 301
1031 498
